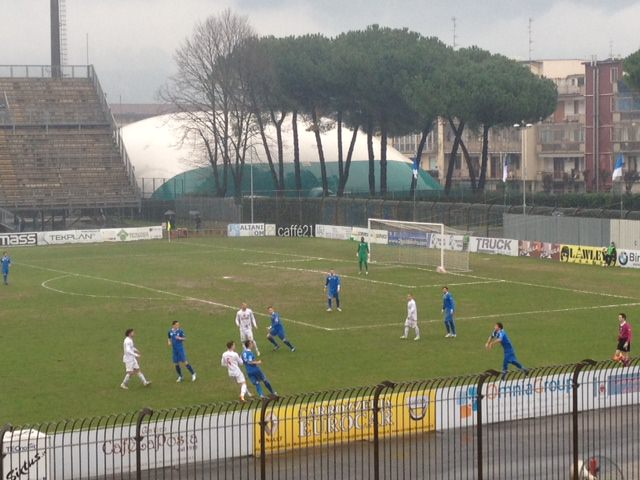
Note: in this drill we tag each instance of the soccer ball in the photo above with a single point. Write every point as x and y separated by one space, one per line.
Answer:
441 270
617 357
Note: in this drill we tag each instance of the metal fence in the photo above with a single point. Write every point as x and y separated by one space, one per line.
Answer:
575 421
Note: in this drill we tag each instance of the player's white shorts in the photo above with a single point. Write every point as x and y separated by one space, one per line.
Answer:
131 364
246 334
239 377
411 323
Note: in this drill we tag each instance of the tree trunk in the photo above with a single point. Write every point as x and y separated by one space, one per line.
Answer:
485 157
265 144
467 159
296 152
323 166
383 163
278 124
423 140
343 181
453 155
372 157
213 161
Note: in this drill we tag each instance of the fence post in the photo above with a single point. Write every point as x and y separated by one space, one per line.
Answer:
376 427
263 436
4 429
483 377
138 438
574 412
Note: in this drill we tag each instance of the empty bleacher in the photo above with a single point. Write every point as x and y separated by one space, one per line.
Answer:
59 147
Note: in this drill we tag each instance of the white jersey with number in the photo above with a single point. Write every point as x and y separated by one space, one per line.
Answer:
131 354
245 320
412 314
232 361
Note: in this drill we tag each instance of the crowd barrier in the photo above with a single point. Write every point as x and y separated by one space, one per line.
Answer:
574 421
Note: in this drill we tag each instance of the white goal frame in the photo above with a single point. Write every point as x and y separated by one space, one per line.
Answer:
436 228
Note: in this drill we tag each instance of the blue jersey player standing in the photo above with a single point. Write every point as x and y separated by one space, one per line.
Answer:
449 310
277 330
176 338
254 372
500 336
6 263
332 288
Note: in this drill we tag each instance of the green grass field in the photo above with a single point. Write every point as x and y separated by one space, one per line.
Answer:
64 314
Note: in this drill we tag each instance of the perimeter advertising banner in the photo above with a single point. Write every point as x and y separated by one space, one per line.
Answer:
245 230
69 236
295 230
370 236
629 258
543 250
18 239
496 246
336 421
333 232
583 255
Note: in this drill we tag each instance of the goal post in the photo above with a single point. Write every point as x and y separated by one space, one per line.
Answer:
418 243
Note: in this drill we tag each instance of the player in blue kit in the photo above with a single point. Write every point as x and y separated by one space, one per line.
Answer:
449 309
332 288
176 340
6 263
500 336
277 330
254 372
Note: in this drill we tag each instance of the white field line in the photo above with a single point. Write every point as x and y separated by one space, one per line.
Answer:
164 292
496 315
46 285
324 272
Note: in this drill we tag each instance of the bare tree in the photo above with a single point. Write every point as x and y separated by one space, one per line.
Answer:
209 93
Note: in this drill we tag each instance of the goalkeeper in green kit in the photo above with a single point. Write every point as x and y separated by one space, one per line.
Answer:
363 256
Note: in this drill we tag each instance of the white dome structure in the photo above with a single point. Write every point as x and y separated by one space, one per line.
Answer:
158 151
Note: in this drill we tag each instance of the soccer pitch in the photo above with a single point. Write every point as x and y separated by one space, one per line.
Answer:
64 314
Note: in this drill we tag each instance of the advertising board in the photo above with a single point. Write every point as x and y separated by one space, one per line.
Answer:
245 230
497 246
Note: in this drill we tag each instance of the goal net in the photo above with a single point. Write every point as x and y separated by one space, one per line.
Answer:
416 243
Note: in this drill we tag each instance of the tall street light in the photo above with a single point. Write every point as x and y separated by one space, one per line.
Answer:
522 126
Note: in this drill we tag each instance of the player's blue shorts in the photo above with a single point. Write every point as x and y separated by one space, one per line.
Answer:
256 377
179 355
277 332
448 316
331 294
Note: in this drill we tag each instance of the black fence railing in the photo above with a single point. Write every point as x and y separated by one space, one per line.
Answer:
575 421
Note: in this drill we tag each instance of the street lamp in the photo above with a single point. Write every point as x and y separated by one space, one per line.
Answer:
522 126
251 174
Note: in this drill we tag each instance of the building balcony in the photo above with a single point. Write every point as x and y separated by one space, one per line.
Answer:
566 89
566 148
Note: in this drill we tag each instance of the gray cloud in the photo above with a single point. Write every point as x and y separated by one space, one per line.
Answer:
131 42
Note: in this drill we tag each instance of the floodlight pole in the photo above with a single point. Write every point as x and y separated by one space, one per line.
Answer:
522 126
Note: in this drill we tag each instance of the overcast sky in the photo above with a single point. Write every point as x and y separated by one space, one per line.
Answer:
131 42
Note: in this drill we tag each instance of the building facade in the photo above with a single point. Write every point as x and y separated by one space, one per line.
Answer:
573 150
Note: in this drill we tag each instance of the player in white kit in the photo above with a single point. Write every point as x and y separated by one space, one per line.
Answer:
232 361
130 359
246 322
412 318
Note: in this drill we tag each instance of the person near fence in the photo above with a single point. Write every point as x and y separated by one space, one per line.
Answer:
254 372
500 336
246 322
175 340
363 256
332 289
610 255
412 318
449 310
130 359
624 340
6 263
276 329
232 361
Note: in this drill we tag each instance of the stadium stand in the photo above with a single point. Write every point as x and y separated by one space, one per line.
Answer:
59 145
